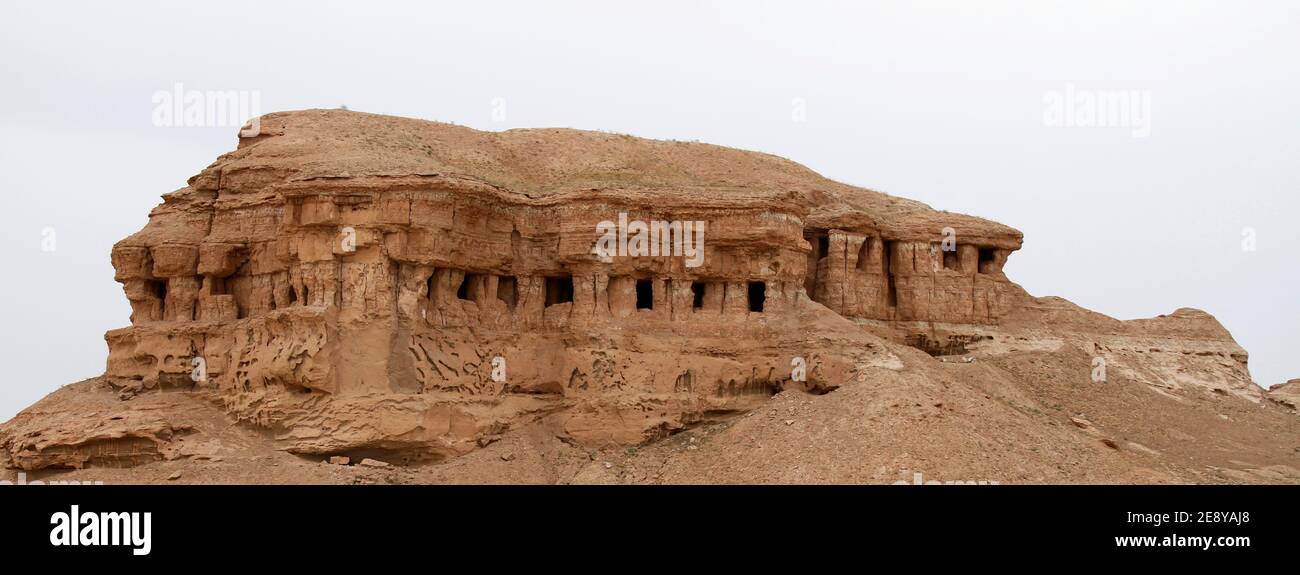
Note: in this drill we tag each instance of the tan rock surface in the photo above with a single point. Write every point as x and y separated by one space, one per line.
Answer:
426 296
1287 394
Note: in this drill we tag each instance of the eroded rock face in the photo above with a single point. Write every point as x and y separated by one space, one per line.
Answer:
353 281
361 284
1287 394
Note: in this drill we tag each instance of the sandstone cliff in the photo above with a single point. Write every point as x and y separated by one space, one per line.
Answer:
354 285
1287 394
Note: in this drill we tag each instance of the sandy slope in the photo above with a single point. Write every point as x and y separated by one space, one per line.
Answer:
1024 417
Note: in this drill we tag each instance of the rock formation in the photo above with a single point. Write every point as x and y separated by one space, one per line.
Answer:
369 286
1287 394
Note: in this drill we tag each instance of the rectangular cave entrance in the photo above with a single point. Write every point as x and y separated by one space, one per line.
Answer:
986 257
697 295
952 260
821 244
887 259
645 294
469 287
757 296
508 290
159 289
864 253
559 290
216 285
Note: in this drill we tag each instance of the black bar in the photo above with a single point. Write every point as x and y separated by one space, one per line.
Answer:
1080 522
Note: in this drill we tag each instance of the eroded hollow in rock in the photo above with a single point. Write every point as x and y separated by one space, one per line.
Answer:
820 242
757 296
697 295
951 261
508 290
887 257
956 344
645 294
864 254
469 287
559 290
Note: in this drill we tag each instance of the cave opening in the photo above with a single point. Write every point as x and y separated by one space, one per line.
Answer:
951 261
159 289
891 290
986 257
757 296
864 253
508 290
645 294
217 286
821 243
697 294
559 289
469 287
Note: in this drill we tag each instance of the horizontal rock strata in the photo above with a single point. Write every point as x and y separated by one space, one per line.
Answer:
359 284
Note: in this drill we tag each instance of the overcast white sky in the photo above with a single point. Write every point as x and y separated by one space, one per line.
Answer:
943 102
